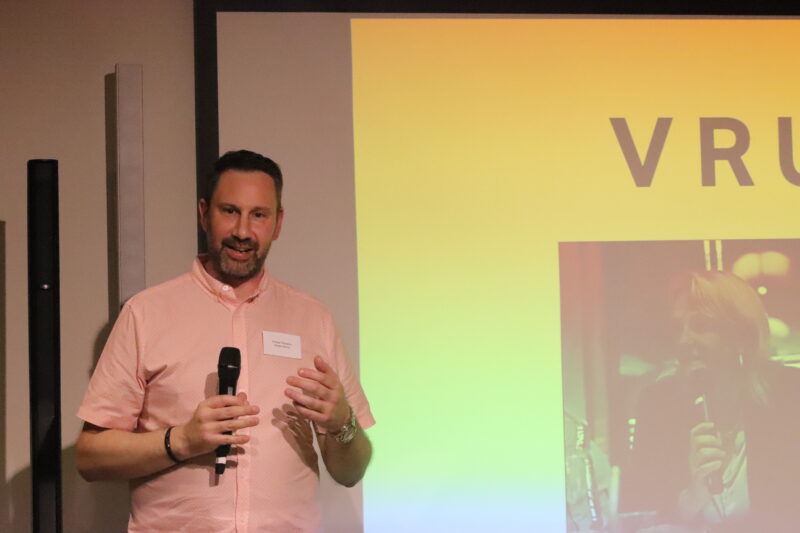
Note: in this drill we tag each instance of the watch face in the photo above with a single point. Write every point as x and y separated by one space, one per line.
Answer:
346 436
348 431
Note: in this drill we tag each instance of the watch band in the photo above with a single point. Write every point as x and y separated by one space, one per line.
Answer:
168 444
348 431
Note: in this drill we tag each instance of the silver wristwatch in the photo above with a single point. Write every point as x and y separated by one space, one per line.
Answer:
348 431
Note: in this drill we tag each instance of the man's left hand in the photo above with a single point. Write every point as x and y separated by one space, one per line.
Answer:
320 397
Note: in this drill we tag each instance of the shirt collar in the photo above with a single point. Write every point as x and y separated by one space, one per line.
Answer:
222 291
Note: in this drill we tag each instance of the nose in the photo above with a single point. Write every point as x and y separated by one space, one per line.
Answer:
242 227
687 341
684 339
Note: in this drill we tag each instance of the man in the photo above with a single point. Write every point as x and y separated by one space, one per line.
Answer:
715 447
152 413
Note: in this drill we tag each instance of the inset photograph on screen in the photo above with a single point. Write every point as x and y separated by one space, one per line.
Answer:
681 380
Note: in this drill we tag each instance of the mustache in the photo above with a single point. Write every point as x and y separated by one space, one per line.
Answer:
235 242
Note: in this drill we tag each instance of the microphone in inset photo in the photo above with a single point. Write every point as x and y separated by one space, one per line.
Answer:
702 385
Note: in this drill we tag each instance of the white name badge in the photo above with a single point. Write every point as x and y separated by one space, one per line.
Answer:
281 344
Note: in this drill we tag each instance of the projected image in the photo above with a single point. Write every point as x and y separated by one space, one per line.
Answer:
681 379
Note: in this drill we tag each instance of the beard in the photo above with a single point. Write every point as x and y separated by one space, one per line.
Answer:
232 271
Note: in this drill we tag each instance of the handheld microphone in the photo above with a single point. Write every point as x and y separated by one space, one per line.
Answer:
703 383
714 479
230 361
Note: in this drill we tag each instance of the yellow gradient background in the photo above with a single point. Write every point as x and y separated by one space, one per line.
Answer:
482 144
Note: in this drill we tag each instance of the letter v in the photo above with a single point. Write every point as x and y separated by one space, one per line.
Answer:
642 172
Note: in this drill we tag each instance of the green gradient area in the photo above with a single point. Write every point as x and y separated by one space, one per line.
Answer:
452 358
459 307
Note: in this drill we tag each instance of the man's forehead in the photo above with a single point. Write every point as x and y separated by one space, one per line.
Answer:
235 174
254 186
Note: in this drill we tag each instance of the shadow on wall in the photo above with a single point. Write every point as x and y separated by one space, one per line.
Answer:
87 507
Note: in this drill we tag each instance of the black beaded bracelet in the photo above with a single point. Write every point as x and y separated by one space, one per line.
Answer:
168 445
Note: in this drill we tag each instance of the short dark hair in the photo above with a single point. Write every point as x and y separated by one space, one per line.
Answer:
247 161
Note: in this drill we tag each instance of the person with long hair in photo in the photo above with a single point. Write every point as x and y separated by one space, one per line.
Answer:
717 445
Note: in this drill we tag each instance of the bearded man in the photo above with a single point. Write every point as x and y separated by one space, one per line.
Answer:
152 414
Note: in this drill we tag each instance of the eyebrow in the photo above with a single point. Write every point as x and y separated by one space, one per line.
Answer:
238 208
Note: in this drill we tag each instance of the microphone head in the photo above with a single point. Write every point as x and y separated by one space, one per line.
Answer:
230 362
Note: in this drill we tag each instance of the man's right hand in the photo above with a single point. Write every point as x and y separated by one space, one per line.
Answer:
706 457
103 453
212 418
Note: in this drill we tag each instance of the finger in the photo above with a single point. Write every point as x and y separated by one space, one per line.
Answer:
323 366
299 398
234 425
310 387
306 401
705 455
708 469
701 462
706 441
707 438
329 379
704 428
222 400
234 439
224 413
310 414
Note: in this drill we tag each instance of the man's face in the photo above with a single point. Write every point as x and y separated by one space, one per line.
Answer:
240 222
704 340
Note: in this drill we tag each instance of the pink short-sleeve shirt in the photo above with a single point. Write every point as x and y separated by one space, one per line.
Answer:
160 361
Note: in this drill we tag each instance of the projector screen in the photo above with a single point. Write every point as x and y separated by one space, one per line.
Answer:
537 210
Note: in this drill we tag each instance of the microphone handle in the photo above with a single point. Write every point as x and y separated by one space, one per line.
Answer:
714 479
223 450
714 482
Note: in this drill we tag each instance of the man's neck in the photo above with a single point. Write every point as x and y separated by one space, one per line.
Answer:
243 289
248 287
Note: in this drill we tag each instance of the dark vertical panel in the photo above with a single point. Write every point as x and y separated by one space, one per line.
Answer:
4 518
111 194
205 97
44 344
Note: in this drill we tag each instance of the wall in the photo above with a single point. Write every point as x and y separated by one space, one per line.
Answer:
55 56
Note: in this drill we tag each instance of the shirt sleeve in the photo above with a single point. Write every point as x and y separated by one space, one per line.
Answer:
349 379
116 390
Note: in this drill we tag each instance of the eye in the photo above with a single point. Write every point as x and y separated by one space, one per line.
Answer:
227 209
260 214
703 323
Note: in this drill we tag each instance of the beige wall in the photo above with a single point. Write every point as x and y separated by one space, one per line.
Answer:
54 56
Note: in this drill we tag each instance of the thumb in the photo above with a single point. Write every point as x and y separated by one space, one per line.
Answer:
322 365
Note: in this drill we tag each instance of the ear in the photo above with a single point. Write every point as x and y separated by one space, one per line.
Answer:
278 224
202 211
